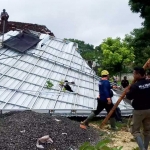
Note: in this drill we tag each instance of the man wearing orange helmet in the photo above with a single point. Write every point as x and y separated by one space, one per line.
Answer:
103 100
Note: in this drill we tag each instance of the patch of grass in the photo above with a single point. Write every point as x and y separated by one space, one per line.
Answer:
97 121
119 125
102 145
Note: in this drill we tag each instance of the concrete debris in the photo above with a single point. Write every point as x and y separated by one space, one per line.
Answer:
23 131
57 120
64 133
44 140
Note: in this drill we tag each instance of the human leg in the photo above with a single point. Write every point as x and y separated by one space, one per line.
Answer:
108 107
136 126
100 107
146 128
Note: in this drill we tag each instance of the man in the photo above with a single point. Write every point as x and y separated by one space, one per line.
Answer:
4 21
67 87
103 100
139 92
4 15
124 82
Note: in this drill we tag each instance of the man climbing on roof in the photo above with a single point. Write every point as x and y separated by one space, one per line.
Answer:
139 92
103 100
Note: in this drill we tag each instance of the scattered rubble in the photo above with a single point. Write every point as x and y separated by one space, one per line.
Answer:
43 140
21 130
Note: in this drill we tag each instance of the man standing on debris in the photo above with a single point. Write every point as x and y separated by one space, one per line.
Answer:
4 15
139 93
4 21
124 82
103 100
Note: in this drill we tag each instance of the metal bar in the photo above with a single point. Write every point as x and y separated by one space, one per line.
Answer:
44 78
14 104
43 92
64 77
60 64
50 71
75 102
19 79
10 67
64 52
42 68
54 55
64 58
11 57
23 80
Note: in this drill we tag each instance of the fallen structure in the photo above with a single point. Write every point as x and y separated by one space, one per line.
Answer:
24 75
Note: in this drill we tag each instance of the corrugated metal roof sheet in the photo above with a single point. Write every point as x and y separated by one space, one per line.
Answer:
23 79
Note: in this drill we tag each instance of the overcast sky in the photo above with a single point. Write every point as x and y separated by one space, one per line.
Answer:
87 20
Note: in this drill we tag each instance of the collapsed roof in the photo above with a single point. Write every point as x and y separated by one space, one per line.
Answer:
23 79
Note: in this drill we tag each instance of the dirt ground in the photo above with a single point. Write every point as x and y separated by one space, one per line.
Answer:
121 137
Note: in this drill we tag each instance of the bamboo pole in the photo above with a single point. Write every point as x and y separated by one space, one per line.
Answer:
146 65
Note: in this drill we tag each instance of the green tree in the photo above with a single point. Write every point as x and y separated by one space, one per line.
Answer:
117 54
140 40
142 7
141 37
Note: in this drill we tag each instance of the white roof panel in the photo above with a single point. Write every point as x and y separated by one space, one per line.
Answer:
23 79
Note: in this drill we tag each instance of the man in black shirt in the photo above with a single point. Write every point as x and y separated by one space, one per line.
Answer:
124 82
139 92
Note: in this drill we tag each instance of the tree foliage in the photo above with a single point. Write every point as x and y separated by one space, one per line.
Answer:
141 37
140 40
116 54
142 7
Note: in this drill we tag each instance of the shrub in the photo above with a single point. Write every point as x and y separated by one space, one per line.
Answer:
102 145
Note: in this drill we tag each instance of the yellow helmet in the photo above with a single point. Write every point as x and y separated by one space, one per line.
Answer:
104 73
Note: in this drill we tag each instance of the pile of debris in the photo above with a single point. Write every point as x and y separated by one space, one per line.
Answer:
23 130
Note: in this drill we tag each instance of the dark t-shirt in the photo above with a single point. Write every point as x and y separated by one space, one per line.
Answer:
140 94
124 83
104 90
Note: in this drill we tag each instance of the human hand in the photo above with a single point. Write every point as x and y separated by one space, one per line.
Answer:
109 101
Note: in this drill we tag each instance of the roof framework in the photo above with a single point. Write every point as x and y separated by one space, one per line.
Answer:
23 79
